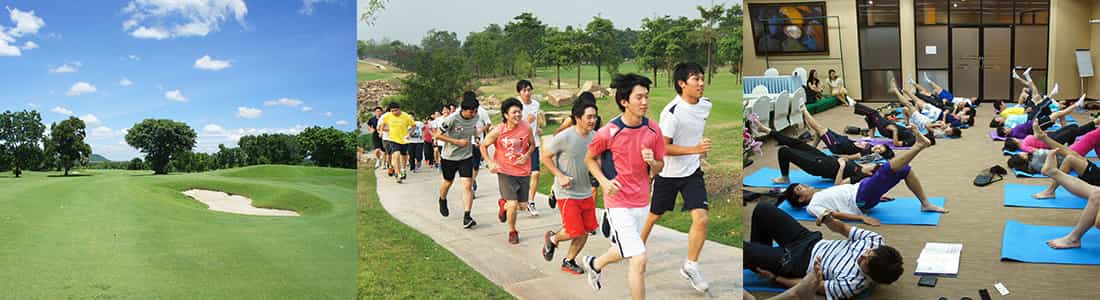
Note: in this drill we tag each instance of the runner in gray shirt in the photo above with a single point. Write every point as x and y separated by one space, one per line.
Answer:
563 156
456 131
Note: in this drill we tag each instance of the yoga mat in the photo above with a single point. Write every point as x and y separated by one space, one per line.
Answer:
883 141
752 283
1037 175
763 178
1027 243
879 134
1019 195
901 211
993 135
1090 154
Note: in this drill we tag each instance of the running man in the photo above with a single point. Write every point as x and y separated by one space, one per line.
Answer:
513 143
682 122
372 128
564 157
637 151
456 131
397 124
533 115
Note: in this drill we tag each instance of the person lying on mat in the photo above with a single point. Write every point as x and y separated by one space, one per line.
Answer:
853 201
1080 187
1065 135
806 289
838 144
814 161
1032 162
890 129
1073 160
1020 128
926 116
848 267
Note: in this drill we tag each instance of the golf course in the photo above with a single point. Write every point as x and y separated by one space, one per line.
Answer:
110 234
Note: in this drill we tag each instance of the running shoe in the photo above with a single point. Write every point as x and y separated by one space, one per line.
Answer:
694 277
502 214
571 267
468 222
443 208
513 237
593 275
548 246
552 201
531 209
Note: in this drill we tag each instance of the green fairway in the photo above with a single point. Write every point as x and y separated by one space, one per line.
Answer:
397 262
723 128
367 72
126 234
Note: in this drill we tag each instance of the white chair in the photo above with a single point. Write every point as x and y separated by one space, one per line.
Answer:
771 72
801 74
760 90
782 110
798 100
762 107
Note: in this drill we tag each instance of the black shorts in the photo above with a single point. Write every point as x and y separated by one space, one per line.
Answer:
378 143
395 147
477 157
1091 175
465 168
692 188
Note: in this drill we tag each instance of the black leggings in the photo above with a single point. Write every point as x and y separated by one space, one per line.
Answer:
792 257
1068 134
876 121
813 162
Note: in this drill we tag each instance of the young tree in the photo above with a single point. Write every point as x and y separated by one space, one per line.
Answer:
20 140
328 147
526 34
710 34
67 143
605 48
136 164
160 139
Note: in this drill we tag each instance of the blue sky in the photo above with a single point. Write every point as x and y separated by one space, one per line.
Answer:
227 68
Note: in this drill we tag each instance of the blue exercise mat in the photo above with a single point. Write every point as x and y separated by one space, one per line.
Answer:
763 178
1027 243
1019 195
1036 175
752 283
901 211
1090 154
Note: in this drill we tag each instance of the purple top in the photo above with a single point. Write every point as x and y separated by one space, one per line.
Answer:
1021 131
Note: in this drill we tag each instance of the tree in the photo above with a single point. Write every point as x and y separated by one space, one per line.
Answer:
485 50
438 78
730 46
67 143
276 148
526 35
136 164
710 34
228 157
20 139
328 147
361 49
370 13
650 46
605 49
160 139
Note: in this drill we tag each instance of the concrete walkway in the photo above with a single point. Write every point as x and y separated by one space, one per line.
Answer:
522 271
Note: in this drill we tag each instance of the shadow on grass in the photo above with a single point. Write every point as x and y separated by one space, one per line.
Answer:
70 175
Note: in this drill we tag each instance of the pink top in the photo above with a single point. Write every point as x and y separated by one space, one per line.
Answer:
626 150
1030 143
509 146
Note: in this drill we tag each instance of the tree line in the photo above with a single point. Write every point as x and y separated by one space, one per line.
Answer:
168 147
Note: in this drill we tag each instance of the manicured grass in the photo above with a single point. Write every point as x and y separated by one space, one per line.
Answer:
126 234
723 128
398 262
367 72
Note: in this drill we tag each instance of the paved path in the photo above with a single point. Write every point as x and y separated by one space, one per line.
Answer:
522 271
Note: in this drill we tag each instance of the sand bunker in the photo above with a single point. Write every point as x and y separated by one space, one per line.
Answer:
221 201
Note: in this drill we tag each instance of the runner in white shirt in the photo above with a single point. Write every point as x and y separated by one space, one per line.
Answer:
534 116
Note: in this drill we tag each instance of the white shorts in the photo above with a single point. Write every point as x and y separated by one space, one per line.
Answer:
626 229
919 120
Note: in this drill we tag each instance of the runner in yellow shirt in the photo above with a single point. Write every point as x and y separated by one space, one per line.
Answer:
398 125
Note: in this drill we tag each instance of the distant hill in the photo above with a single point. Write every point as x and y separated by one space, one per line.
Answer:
97 158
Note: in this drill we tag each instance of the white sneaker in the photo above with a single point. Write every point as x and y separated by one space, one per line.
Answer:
377 164
694 277
589 264
1053 91
531 209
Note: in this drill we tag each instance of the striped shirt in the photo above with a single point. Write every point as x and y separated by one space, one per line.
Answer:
840 263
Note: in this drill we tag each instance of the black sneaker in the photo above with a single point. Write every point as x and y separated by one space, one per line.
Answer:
805 137
443 208
468 223
475 186
571 267
552 201
548 246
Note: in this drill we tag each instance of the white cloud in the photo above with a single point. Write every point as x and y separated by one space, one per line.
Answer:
102 132
307 6
162 19
90 119
341 123
248 112
208 140
62 110
80 88
306 108
328 114
67 68
125 82
213 129
207 63
25 23
149 33
32 105
133 57
175 95
288 102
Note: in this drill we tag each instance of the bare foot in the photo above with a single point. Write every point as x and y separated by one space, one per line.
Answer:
781 180
922 141
1043 195
932 208
1050 166
761 127
806 289
1064 242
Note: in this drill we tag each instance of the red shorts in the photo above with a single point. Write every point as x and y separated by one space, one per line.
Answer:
578 216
